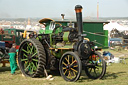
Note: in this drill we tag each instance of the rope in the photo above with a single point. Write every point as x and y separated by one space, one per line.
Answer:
98 35
98 43
95 34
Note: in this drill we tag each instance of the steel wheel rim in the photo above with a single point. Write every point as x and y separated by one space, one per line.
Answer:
29 58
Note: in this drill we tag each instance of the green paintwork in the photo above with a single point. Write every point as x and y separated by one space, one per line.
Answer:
89 25
48 31
45 31
93 27
63 23
51 39
59 29
96 28
65 36
41 31
61 50
65 46
16 36
106 38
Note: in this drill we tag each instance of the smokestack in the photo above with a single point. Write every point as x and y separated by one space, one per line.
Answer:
62 16
97 10
78 9
29 21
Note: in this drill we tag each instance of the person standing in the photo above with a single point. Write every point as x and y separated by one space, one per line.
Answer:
12 58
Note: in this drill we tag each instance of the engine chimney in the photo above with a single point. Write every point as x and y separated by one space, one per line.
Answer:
62 16
78 9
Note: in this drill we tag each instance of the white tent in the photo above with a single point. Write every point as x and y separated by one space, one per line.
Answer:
114 25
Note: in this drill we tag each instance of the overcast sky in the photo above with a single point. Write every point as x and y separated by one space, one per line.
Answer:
53 8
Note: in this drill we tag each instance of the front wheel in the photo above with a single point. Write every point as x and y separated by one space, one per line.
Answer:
95 67
70 66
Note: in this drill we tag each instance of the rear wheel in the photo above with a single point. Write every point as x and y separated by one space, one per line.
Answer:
31 58
70 66
96 66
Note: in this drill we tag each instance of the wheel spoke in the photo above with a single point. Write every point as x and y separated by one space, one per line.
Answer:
36 60
25 51
65 72
90 70
31 68
70 75
95 72
74 73
24 59
67 60
28 50
74 70
25 55
28 47
75 66
35 49
26 63
32 71
31 50
64 68
64 63
27 67
73 62
34 54
34 66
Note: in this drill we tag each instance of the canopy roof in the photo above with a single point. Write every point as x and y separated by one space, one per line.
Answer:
45 20
86 20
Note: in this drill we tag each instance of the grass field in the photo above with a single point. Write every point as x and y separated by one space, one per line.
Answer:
117 74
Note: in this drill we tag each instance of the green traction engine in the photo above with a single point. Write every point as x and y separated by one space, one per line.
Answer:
64 49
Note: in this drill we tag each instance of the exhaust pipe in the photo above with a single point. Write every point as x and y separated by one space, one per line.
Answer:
62 16
78 9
